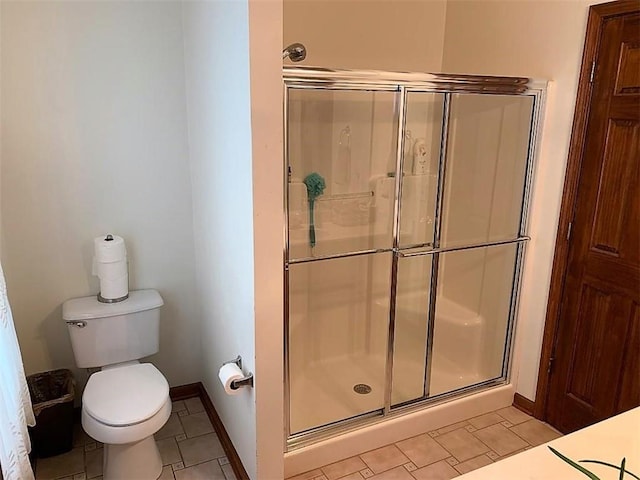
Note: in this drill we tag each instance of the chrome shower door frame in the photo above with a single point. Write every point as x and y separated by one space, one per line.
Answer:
402 84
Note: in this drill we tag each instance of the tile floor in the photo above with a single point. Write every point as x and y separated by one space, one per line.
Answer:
190 450
444 453
188 445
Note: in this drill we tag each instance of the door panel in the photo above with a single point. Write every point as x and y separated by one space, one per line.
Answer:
611 215
600 334
629 386
628 79
595 307
596 349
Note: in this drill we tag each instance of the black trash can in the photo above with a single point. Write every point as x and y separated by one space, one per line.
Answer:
52 395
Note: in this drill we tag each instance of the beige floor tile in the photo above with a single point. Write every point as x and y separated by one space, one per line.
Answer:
178 406
93 462
194 405
167 473
172 428
473 464
200 449
422 450
60 465
169 451
486 420
384 458
500 439
398 473
513 453
513 415
310 475
204 471
343 468
461 444
535 432
353 476
228 472
436 471
452 427
196 424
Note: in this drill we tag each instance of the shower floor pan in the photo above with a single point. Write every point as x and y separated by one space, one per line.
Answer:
323 393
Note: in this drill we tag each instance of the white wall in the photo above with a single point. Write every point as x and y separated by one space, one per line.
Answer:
235 131
94 140
401 35
540 39
97 138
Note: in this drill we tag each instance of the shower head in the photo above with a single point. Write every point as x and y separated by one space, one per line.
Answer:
296 52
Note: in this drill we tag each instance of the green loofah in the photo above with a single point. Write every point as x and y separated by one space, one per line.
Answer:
315 186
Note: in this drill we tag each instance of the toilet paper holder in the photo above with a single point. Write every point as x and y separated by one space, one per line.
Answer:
246 381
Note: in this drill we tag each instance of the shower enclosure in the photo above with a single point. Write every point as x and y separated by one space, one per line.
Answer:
406 213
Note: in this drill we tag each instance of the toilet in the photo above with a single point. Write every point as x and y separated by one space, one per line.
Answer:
126 402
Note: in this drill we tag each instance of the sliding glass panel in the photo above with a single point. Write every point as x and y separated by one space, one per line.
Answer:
420 168
342 157
338 330
411 327
472 316
486 166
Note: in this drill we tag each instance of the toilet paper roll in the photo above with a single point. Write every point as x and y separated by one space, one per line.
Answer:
109 251
114 289
227 374
111 271
110 266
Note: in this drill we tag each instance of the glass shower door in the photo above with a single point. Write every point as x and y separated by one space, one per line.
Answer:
421 161
341 150
483 198
460 242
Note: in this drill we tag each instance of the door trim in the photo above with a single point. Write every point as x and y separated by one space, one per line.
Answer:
598 15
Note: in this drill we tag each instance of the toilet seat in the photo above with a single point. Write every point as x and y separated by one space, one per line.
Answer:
125 396
125 435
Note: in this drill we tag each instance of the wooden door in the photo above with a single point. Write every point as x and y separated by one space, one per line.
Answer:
595 363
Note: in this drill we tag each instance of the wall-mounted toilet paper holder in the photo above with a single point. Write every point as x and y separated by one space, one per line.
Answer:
246 381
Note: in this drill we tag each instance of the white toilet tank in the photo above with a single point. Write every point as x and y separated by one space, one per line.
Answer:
108 333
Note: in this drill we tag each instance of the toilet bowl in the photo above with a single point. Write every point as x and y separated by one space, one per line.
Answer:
123 407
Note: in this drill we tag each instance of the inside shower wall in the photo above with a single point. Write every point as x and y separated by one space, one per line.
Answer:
408 293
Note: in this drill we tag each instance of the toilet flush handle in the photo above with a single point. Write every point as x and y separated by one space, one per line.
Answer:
77 323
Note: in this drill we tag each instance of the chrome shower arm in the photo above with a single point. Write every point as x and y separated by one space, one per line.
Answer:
296 52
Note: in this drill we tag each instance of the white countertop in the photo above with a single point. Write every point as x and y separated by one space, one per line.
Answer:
608 441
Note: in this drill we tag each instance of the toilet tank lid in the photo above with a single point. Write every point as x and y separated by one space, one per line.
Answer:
87 308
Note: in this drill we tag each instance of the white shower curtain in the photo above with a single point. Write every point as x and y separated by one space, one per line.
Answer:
15 404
